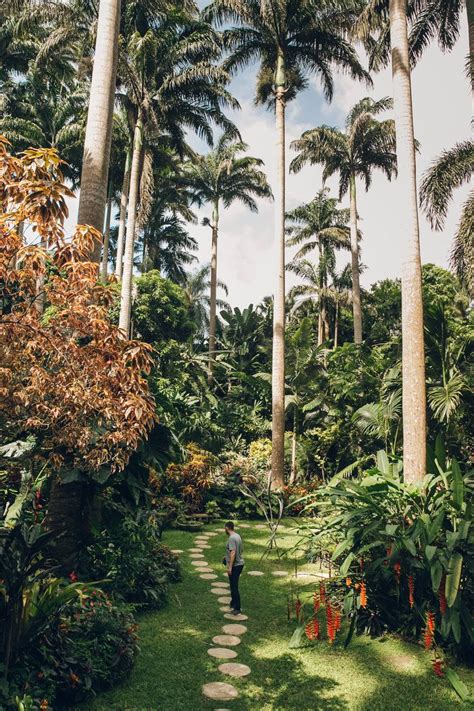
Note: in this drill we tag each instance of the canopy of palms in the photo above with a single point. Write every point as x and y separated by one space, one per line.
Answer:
224 176
319 225
291 40
365 145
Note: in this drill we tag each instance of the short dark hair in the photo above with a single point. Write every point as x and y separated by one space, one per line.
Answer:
229 525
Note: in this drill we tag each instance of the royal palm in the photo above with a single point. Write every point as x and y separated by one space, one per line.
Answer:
365 145
291 40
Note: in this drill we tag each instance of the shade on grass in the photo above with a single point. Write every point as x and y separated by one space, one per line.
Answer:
372 675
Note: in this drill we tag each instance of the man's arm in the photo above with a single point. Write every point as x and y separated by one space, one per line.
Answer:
231 561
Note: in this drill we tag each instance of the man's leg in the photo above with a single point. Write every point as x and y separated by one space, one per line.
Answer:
236 596
234 588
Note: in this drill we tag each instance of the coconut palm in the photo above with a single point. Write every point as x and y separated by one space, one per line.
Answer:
451 170
174 86
319 225
365 145
223 177
291 40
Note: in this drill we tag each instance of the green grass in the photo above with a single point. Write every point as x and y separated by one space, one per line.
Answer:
385 675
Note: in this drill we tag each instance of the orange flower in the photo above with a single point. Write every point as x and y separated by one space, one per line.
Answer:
44 705
438 667
363 595
322 593
411 590
74 679
428 634
316 602
348 582
312 629
330 623
337 620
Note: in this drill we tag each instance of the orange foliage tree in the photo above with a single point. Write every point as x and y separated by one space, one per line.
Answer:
70 382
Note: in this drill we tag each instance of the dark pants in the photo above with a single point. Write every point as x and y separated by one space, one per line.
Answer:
234 586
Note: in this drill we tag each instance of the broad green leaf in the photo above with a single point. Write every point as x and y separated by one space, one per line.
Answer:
436 575
440 452
459 686
430 551
350 633
435 527
341 548
382 462
346 564
457 485
410 546
453 578
456 625
296 638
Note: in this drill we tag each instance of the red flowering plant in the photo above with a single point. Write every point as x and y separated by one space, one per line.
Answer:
403 554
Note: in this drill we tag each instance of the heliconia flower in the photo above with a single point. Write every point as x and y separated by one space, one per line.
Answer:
428 634
363 595
72 576
397 568
430 621
322 593
411 590
348 582
308 630
44 705
316 628
438 667
330 625
443 604
316 602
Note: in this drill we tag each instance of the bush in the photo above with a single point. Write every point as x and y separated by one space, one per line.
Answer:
88 646
136 565
404 553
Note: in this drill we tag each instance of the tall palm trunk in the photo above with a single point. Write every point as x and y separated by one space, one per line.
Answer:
96 157
278 355
127 274
470 26
413 356
336 325
356 307
213 301
105 248
293 450
123 214
320 309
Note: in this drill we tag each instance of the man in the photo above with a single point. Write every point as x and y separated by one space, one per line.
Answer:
235 564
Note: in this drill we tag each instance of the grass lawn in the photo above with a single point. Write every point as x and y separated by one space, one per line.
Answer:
385 675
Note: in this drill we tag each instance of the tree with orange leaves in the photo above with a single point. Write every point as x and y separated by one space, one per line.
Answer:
70 382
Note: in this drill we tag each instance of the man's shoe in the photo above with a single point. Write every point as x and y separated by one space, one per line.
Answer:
235 612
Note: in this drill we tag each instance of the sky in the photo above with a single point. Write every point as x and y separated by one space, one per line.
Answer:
442 111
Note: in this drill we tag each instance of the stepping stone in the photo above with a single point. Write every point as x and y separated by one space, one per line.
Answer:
217 591
211 534
200 541
204 545
280 573
261 527
255 572
234 669
224 600
230 616
234 629
197 555
226 640
196 550
222 653
208 576
198 563
177 550
226 608
221 585
204 569
219 691
244 525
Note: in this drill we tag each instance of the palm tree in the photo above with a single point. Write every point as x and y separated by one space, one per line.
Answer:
95 165
340 293
451 170
291 40
319 225
366 144
197 290
224 176
174 86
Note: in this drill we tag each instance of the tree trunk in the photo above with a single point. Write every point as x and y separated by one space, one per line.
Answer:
96 157
127 274
278 355
320 305
145 252
105 249
470 27
336 325
123 215
293 451
69 518
413 356
356 307
213 301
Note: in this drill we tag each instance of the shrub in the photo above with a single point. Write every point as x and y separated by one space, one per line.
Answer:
404 553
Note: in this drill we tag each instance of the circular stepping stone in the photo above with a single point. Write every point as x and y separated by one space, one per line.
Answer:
261 527
221 585
197 555
217 591
196 550
198 563
208 576
224 600
226 640
280 573
255 572
230 616
244 525
222 653
211 534
226 608
219 691
204 545
177 550
204 569
234 669
234 629
200 542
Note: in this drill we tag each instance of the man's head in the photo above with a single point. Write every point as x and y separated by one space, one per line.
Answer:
229 527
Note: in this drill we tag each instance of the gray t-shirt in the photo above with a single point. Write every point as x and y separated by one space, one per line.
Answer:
234 543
